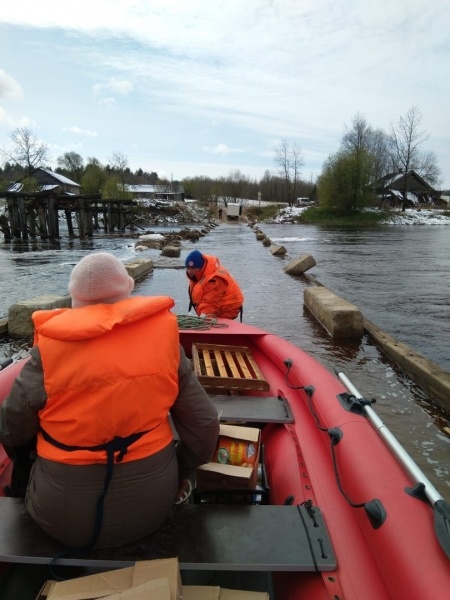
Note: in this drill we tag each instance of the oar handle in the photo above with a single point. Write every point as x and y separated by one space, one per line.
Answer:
407 462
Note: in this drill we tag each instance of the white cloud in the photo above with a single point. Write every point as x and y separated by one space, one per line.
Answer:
181 75
5 119
116 86
9 87
79 131
221 149
107 102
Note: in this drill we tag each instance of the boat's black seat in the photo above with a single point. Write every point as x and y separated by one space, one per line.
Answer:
252 409
203 537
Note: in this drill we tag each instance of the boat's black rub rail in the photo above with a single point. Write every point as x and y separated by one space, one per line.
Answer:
203 537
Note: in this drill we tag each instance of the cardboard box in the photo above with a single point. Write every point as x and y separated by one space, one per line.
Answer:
147 580
242 595
257 495
203 592
215 475
45 590
140 582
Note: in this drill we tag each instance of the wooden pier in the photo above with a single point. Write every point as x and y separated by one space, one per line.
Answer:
38 215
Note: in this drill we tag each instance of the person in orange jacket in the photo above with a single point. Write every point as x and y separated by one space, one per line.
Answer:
212 290
95 395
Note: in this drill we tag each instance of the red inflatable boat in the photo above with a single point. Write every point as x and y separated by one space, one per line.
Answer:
384 528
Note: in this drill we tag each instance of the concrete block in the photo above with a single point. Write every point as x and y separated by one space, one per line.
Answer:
260 236
266 242
430 377
20 324
173 251
277 250
138 267
338 316
299 265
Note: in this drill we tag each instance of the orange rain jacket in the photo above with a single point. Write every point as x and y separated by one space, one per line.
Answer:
215 292
130 390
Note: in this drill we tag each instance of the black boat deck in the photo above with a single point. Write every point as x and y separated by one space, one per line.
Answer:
203 537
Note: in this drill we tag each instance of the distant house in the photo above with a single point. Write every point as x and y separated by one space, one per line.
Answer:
445 196
49 182
390 189
157 192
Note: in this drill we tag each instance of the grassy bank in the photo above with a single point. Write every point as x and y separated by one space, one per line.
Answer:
329 216
317 215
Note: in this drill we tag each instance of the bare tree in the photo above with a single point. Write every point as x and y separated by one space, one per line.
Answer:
379 148
289 160
405 139
235 184
363 139
358 137
27 152
429 168
73 164
119 162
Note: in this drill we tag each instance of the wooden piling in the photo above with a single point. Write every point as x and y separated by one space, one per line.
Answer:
29 215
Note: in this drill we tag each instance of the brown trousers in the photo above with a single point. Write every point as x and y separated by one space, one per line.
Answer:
62 498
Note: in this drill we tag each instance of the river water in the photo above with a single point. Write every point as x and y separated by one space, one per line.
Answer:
398 276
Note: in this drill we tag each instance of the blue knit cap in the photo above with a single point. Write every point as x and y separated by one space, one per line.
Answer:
195 259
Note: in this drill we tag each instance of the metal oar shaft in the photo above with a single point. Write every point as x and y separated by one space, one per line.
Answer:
408 463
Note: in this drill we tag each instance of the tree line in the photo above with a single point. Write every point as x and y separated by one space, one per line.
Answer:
367 154
346 182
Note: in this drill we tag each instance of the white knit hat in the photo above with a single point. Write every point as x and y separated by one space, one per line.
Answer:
99 278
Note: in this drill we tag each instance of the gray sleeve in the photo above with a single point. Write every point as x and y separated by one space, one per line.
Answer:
195 420
19 421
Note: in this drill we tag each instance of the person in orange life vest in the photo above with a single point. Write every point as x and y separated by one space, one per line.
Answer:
96 393
212 290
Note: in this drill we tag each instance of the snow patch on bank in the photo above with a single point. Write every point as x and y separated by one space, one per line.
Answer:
410 216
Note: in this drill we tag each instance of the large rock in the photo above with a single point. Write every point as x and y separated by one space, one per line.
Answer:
20 324
299 265
339 317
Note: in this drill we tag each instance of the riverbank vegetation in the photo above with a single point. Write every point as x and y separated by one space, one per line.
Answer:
316 215
349 181
333 216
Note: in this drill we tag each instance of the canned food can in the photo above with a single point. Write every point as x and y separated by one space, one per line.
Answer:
231 451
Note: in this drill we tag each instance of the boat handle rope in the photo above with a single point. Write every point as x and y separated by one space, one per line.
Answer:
426 489
373 508
206 322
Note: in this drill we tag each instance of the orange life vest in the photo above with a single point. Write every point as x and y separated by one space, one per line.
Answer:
109 370
226 306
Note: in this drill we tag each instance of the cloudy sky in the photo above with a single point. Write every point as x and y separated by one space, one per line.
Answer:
204 87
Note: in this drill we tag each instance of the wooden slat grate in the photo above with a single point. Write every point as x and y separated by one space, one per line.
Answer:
227 367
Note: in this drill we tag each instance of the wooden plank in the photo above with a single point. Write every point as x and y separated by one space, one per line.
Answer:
230 361
232 367
243 365
207 362
196 363
220 363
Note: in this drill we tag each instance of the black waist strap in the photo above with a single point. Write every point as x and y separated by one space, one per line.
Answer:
117 444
